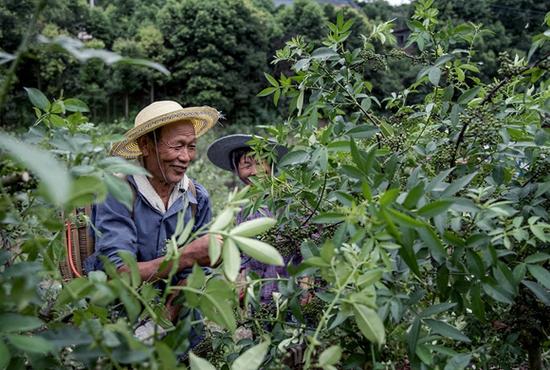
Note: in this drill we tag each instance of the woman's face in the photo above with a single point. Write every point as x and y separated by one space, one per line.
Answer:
248 166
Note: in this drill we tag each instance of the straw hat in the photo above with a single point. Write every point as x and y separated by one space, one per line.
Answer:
219 152
161 113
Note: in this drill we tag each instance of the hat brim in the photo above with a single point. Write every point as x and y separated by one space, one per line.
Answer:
202 118
219 152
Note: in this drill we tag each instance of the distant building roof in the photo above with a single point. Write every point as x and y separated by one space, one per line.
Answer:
333 2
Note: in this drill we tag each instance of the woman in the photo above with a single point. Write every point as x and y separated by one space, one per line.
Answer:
235 154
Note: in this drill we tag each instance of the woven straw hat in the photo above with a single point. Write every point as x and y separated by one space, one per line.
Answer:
219 152
161 113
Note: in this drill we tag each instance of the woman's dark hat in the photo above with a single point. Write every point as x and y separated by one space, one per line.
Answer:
219 152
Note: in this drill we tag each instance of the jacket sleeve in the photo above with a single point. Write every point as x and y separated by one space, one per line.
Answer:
116 230
204 210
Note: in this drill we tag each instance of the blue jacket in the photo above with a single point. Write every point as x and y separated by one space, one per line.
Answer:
142 231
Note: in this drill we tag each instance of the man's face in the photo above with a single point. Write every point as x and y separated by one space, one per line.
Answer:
249 166
176 149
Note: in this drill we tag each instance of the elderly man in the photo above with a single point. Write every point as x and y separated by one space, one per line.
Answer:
164 140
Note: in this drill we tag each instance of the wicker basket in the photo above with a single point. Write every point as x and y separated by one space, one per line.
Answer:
79 244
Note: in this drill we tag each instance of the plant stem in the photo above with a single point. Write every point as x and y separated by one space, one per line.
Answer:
324 318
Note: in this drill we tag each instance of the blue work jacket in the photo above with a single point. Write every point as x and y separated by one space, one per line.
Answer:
143 231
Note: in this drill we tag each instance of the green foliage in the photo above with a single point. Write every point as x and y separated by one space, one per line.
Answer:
421 216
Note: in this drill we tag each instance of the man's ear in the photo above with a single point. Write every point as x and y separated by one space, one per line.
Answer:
143 143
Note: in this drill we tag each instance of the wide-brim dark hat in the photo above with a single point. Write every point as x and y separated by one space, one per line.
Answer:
219 152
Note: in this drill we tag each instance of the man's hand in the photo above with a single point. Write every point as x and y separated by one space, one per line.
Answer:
197 251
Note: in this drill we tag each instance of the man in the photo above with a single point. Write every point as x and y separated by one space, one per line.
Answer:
164 140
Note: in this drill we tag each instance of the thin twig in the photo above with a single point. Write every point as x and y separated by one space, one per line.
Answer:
318 202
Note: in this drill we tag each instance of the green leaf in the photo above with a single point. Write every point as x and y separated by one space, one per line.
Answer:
412 336
424 354
120 166
414 196
323 53
4 355
389 197
435 208
434 75
538 290
458 185
541 274
253 227
222 220
75 105
267 91
51 172
271 79
458 362
405 219
328 218
32 344
537 257
430 238
478 306
437 309
446 330
13 322
497 293
259 250
300 102
198 363
231 259
214 250
120 189
468 95
369 323
293 158
252 358
86 190
130 262
217 305
330 356
363 131
38 99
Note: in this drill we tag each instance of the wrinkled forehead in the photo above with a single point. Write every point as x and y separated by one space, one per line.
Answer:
179 129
